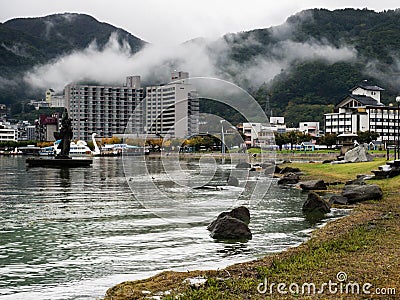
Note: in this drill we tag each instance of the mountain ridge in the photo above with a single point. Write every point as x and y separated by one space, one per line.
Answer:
312 59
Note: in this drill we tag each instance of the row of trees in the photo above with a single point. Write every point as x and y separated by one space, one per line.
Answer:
292 138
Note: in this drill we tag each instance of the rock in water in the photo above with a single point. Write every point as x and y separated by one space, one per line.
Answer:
357 193
289 178
313 185
315 205
233 181
228 228
231 225
243 165
242 213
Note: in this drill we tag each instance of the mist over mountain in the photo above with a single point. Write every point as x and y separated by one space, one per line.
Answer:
26 43
303 66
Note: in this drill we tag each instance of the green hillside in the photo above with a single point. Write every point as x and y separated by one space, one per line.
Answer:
320 55
26 42
312 84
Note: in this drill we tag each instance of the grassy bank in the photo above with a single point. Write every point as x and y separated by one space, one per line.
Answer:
365 245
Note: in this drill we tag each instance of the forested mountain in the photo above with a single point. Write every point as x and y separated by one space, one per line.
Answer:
303 66
26 42
312 80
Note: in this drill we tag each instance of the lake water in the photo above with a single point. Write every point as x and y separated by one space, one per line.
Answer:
74 233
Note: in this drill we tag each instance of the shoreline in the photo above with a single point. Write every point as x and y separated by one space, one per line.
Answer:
363 244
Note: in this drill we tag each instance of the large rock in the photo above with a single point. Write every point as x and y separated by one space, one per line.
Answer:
232 181
231 225
228 228
357 154
266 165
277 169
290 170
313 185
241 213
315 204
337 199
289 178
357 193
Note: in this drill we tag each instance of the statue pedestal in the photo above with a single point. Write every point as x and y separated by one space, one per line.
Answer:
58 162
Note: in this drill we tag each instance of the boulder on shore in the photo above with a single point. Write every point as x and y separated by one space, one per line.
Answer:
337 199
290 170
289 178
357 193
313 185
315 205
231 225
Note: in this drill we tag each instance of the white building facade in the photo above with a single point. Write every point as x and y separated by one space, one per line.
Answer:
172 109
54 100
362 110
7 133
311 128
104 110
260 134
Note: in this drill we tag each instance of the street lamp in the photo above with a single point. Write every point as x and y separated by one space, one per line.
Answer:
398 129
222 137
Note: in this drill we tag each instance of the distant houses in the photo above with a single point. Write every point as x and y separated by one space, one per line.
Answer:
157 111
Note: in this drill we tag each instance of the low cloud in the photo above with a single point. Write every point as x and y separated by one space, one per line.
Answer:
200 57
314 50
113 62
263 68
387 74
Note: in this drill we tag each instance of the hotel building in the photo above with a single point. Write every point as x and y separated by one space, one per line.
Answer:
362 110
172 109
104 110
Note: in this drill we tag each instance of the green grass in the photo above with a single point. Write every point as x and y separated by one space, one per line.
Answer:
332 172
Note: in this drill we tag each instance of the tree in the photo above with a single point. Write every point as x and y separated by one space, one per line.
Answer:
112 140
328 139
280 139
366 136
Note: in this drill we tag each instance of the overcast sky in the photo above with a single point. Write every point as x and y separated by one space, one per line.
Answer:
166 22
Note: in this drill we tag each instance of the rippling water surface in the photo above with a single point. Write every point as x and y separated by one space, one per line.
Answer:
74 233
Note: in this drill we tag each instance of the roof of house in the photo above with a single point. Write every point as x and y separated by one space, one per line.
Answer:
366 86
364 100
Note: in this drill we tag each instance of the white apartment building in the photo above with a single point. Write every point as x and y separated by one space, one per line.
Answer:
362 110
104 110
54 100
7 133
172 109
311 128
260 134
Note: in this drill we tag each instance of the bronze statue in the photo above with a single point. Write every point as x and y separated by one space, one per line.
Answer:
65 135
